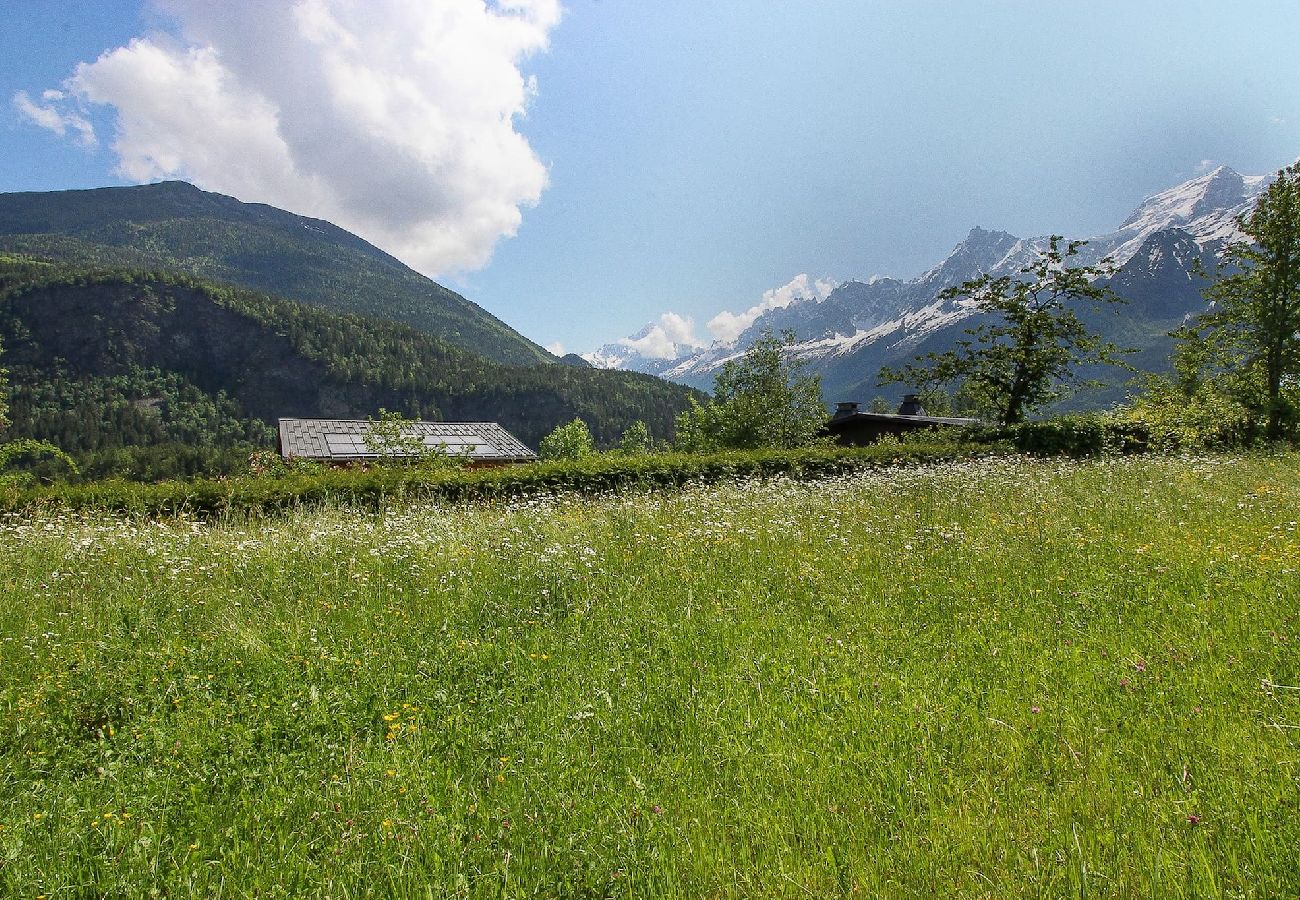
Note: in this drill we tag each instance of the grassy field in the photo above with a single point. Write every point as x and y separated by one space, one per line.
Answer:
993 678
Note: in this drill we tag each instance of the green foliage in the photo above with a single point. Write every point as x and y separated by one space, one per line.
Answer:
12 451
763 399
1026 356
1248 345
394 440
636 439
1081 435
275 487
571 440
1195 405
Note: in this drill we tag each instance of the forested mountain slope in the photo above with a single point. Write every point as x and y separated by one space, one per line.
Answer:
176 227
107 358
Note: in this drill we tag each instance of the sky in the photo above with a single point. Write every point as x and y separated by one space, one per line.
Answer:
581 168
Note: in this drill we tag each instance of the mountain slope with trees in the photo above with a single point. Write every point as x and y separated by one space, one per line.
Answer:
176 227
105 359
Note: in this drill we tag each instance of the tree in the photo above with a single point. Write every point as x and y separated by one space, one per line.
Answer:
393 438
762 399
636 439
1026 356
1252 335
571 440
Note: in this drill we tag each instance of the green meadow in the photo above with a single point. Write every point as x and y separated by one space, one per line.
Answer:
999 677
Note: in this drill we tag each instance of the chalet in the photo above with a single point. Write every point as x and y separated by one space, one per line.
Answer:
855 428
345 441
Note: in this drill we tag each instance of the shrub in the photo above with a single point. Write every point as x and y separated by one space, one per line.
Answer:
569 441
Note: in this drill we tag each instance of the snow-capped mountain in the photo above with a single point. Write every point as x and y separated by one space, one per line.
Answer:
861 326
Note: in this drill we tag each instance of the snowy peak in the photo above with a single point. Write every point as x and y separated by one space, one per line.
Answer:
848 332
1177 206
981 252
1205 207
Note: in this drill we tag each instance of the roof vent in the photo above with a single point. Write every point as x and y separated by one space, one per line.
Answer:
911 406
848 408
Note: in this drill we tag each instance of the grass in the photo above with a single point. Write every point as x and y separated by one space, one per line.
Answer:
987 678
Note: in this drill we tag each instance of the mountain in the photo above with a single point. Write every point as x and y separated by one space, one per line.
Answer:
100 360
176 227
861 326
648 350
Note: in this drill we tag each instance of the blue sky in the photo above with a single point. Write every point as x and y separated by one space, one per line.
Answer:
661 156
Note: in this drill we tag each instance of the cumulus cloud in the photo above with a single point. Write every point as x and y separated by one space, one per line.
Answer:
396 119
727 326
48 115
665 339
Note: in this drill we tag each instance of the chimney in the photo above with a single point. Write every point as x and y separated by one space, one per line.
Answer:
911 406
845 409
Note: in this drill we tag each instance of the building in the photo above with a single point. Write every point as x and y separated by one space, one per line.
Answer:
852 427
345 441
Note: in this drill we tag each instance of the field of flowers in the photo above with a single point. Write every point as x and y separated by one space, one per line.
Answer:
988 678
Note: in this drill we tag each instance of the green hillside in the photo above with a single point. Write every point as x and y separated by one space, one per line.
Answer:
105 359
177 227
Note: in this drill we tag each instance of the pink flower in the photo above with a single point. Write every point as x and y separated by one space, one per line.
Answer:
1193 818
1035 710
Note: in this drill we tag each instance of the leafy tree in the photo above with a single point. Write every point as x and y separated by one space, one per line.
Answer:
393 438
763 399
636 439
571 440
1251 338
1026 356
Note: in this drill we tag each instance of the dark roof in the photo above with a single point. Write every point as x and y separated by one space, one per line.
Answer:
860 418
345 439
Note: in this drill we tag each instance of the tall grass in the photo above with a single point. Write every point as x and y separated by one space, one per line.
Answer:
990 678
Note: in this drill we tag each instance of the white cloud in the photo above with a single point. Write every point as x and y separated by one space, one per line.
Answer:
727 326
665 339
555 349
1204 166
396 119
58 121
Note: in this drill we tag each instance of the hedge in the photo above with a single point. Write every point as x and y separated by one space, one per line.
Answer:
375 485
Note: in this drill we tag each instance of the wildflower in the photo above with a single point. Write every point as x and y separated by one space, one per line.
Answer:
1035 710
1193 819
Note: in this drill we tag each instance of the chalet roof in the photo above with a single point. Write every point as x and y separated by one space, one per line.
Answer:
345 439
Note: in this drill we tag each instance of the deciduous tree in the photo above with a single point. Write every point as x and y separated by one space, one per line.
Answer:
765 398
572 440
1026 353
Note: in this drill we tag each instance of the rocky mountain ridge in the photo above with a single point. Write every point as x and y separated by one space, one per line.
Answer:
863 325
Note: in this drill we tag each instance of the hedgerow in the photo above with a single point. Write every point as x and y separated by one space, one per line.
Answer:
374 485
